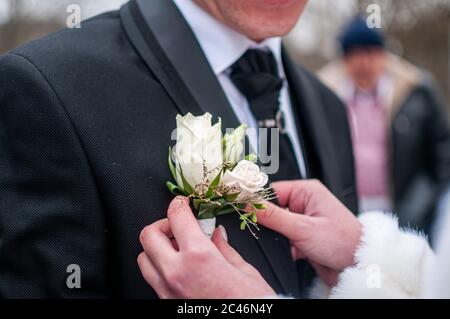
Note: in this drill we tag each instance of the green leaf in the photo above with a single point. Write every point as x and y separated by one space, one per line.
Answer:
243 225
174 189
224 143
231 197
226 210
197 202
171 166
259 206
213 185
207 210
251 157
188 189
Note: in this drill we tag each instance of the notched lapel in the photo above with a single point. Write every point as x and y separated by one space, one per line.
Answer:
172 52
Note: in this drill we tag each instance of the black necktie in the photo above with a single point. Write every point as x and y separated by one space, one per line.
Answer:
256 76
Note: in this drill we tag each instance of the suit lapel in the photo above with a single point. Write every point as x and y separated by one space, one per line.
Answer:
168 46
174 55
151 53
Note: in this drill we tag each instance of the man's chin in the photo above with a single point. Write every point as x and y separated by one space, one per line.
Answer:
260 35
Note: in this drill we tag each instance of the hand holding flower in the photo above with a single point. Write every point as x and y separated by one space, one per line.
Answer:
195 267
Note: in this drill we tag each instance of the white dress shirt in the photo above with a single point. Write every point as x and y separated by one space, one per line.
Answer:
222 47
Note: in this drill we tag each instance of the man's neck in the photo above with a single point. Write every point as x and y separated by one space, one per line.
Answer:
221 44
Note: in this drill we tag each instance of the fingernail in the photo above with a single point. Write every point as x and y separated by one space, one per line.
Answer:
180 200
223 232
176 204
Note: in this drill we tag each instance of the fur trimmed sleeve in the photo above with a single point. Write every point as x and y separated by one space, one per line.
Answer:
389 263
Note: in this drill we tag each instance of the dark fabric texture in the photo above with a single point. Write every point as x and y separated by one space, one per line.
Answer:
86 117
420 161
256 75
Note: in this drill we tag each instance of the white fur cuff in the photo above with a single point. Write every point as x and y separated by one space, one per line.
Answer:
390 262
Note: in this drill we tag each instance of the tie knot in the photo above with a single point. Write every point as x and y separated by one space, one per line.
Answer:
256 76
256 61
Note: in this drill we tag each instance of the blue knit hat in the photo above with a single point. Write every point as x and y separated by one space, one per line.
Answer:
357 34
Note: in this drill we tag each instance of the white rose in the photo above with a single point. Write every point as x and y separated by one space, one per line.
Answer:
234 145
247 176
198 147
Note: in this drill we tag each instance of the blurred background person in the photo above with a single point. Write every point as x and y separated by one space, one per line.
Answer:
399 124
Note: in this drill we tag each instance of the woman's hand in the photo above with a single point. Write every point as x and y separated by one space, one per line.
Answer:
320 228
179 261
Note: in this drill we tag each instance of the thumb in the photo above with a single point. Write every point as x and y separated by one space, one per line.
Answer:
184 225
282 221
219 238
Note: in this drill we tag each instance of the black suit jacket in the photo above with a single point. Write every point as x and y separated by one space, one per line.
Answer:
86 117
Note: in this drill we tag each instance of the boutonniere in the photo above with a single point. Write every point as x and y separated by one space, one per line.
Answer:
212 171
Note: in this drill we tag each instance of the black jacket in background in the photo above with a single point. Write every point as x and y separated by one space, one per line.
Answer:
419 139
420 163
86 117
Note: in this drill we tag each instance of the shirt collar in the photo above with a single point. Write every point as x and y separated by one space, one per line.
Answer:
221 44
